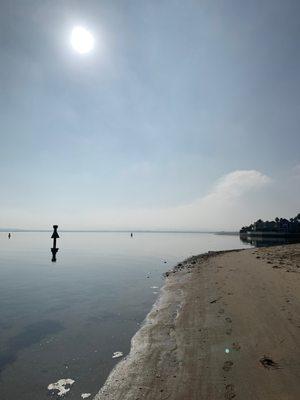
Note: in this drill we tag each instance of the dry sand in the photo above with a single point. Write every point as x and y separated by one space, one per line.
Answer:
226 325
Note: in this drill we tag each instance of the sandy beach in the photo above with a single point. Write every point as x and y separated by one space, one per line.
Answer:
226 325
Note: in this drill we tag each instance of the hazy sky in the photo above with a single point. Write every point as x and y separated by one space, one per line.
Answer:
186 114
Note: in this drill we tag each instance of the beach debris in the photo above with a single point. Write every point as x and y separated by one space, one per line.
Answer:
268 363
85 395
60 386
227 351
117 354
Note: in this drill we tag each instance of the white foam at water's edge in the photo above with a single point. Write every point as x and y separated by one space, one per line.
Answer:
85 395
61 386
167 300
117 354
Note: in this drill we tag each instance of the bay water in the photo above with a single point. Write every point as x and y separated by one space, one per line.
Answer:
65 320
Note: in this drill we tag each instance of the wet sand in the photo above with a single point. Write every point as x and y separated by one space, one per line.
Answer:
226 325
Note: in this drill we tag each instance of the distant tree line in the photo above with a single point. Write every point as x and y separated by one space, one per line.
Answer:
281 225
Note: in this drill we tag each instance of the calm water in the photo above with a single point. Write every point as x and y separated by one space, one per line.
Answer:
65 319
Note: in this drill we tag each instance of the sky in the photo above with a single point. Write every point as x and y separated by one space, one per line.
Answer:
185 115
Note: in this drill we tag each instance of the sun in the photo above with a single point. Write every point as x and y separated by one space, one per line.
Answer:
82 40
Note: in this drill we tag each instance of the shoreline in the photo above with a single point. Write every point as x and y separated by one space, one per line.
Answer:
213 323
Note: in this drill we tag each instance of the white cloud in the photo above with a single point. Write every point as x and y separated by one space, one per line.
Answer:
236 184
234 200
226 206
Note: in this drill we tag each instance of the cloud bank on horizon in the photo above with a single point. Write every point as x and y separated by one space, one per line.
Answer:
223 207
236 198
233 201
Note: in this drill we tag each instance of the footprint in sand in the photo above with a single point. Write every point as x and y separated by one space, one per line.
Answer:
229 392
221 311
268 363
236 346
227 365
228 319
228 331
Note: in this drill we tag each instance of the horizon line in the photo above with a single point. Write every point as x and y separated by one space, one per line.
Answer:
121 230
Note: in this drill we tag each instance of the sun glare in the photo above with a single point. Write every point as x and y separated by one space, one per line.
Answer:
82 40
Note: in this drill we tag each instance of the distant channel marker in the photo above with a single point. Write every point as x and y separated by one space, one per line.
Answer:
54 249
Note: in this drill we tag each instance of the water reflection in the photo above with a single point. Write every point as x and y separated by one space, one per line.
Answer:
258 241
31 334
